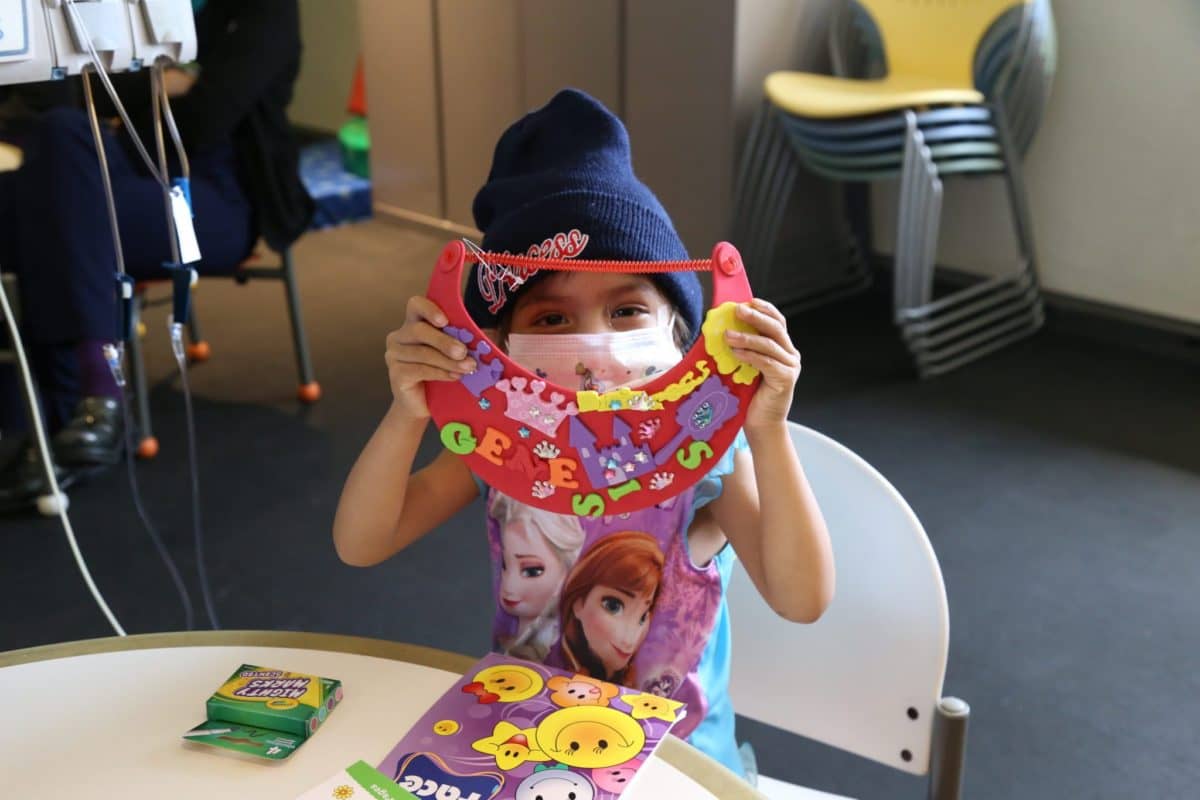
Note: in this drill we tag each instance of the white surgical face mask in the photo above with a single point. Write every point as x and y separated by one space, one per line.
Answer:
597 361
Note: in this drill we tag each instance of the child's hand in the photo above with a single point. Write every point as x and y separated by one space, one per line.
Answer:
420 352
773 353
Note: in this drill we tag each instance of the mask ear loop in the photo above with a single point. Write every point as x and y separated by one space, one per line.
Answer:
671 322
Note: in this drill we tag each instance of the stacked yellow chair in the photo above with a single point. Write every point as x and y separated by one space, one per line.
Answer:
925 89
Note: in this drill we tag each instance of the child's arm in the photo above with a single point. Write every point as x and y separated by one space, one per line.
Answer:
766 508
383 509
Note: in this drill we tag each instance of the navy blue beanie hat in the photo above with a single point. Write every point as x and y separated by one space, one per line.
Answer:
562 186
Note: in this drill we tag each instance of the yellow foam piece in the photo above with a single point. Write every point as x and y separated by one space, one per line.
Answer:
685 385
930 49
716 322
621 399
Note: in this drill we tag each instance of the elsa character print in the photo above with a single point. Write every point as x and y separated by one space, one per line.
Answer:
537 551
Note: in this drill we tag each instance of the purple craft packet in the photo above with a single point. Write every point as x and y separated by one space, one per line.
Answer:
518 730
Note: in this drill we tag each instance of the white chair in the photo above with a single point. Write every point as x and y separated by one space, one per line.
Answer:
867 677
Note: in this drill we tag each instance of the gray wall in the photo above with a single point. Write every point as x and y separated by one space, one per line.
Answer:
680 73
398 52
492 62
331 45
678 103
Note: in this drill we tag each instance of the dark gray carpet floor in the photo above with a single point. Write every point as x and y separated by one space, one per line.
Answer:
1058 480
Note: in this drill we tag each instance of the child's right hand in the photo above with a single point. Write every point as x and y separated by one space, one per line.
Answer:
420 352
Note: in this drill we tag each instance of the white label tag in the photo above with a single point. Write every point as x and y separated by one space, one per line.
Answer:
189 248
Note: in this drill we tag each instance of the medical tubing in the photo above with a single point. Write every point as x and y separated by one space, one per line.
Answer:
115 356
98 66
48 463
197 528
184 164
160 146
105 178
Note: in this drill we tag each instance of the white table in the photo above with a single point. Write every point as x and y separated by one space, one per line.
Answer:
103 718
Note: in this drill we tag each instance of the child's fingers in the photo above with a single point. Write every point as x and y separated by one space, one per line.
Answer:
420 373
763 345
765 364
769 308
770 368
767 320
422 332
423 354
421 308
425 334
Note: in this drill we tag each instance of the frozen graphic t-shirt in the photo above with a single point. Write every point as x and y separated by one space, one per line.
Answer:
618 598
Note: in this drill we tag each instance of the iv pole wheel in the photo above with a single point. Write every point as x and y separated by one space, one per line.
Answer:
199 352
309 392
147 448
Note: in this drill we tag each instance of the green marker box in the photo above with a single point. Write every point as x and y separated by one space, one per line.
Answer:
288 702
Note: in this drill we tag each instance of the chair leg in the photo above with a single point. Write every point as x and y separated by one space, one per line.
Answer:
147 446
763 211
908 182
310 390
741 183
952 331
1014 180
857 202
198 351
759 165
948 757
774 212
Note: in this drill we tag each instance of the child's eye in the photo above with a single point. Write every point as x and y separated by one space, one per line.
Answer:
533 572
551 320
645 616
630 311
612 605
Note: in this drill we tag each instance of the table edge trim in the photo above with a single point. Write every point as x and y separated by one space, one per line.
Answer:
332 642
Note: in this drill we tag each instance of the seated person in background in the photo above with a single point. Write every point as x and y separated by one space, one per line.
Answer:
54 230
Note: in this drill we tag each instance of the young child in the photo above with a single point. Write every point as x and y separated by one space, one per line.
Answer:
654 614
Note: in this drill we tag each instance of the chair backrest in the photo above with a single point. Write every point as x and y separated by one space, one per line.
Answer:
856 678
935 39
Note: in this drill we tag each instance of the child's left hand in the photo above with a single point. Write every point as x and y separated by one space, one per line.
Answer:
772 352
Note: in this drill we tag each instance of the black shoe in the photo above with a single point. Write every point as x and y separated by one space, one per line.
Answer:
23 481
95 436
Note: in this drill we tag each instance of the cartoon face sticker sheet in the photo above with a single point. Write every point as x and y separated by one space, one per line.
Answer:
517 730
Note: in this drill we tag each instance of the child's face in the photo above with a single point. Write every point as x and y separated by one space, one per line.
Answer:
531 574
615 623
589 302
